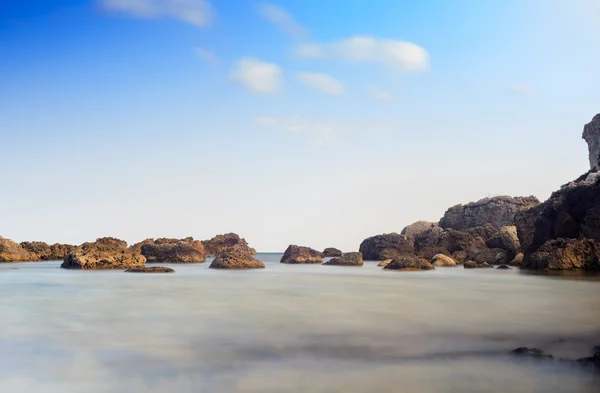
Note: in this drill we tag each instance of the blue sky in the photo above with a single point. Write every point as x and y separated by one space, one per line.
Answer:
308 122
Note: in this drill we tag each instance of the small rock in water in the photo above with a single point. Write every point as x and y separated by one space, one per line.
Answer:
503 267
530 352
154 269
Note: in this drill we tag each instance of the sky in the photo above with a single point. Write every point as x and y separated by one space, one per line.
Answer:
309 122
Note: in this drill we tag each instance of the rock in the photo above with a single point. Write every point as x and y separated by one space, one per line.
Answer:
592 361
460 256
493 256
332 252
384 263
104 253
409 264
46 252
518 260
222 243
565 254
506 238
440 260
503 267
236 258
475 265
180 252
298 254
11 251
530 352
417 228
386 246
348 259
591 134
154 269
137 247
497 211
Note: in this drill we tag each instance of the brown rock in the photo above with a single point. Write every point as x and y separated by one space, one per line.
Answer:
475 265
332 252
222 243
565 254
506 239
104 253
416 228
46 252
11 251
348 259
409 264
384 263
237 257
441 260
386 246
298 254
518 260
180 252
154 269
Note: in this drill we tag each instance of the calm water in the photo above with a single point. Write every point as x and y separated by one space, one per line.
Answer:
291 328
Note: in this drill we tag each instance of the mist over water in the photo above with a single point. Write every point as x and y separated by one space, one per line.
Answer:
292 328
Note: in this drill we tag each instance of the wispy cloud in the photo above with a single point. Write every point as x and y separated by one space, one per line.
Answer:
207 55
322 82
378 94
257 76
282 20
522 88
195 12
401 55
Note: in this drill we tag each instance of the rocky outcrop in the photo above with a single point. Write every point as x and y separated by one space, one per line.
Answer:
386 246
348 259
332 252
441 260
565 254
11 251
46 252
497 211
222 243
137 247
237 257
298 254
591 134
154 269
104 253
417 228
409 264
180 252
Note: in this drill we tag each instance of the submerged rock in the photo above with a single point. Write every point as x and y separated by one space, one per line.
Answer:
104 253
348 259
222 243
386 246
180 252
503 267
565 254
530 352
475 265
11 251
237 257
409 264
299 254
441 260
332 252
154 269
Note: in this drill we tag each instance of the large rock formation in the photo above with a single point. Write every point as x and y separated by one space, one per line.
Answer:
332 252
409 264
222 243
236 258
565 254
348 259
104 253
416 228
46 252
11 251
180 252
591 134
298 254
386 246
497 211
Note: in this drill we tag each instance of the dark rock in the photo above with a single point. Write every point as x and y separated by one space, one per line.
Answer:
530 352
348 259
497 211
409 264
332 252
154 269
104 253
298 254
222 243
417 228
11 251
591 134
565 254
475 265
180 252
386 246
236 258
493 256
503 267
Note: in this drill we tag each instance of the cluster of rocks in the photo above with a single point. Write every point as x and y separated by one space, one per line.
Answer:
168 250
535 353
11 251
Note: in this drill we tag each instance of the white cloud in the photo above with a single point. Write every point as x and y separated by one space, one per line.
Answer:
281 19
257 76
378 94
322 82
524 89
206 55
196 12
401 55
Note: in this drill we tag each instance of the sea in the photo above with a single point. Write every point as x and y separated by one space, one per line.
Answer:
293 329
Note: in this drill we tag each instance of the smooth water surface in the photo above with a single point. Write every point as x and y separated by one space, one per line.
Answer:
292 328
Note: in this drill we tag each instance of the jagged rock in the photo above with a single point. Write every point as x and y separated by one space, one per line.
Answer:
222 243
506 238
409 264
497 211
348 259
530 352
386 246
417 228
11 251
475 265
518 260
440 260
332 252
104 253
565 254
154 269
591 134
298 254
236 258
180 252
46 252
